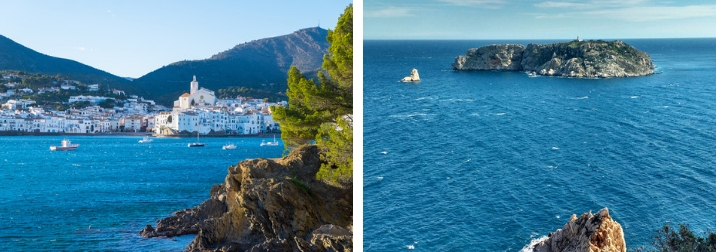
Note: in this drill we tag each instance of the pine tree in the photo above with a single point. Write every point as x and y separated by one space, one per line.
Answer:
324 112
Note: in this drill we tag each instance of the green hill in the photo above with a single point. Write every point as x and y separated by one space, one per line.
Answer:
260 65
14 56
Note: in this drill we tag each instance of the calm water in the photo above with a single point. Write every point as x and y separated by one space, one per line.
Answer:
98 197
488 161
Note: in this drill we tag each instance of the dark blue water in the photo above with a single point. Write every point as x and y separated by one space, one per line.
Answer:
488 161
98 197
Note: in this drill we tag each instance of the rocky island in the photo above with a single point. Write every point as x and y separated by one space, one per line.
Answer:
268 205
578 59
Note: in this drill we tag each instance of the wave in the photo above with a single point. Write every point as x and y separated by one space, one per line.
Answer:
460 100
410 115
579 98
531 246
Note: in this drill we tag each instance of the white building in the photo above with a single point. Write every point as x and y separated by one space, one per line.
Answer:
17 104
196 97
93 87
94 100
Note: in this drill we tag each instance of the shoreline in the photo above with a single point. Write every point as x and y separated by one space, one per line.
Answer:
137 134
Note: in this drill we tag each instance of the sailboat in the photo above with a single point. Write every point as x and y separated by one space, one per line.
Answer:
274 143
197 143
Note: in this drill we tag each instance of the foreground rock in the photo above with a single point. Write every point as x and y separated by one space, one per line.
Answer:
269 205
589 232
580 59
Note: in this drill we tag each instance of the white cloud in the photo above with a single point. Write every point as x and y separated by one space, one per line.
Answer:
389 12
561 5
624 10
641 14
590 5
83 49
481 3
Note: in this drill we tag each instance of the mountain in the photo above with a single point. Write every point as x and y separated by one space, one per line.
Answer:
260 65
14 56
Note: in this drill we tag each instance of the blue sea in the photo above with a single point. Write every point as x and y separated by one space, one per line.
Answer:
489 161
99 196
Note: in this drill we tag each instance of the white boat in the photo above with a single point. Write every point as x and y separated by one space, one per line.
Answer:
274 143
197 143
66 145
230 146
146 140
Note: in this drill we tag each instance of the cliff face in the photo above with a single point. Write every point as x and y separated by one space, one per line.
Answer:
589 232
580 59
491 57
268 206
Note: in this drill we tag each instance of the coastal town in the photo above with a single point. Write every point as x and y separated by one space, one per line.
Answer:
198 111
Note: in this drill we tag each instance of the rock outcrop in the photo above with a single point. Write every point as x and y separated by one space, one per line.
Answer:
589 232
579 59
414 76
269 205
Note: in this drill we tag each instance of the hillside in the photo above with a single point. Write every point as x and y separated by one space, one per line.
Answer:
14 56
256 64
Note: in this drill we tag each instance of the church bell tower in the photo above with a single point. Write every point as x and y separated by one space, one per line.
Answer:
194 86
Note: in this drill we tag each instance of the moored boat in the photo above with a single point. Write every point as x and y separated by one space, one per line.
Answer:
197 143
273 143
230 146
146 140
66 145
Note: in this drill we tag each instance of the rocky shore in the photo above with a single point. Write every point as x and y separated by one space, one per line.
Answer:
578 59
589 232
268 205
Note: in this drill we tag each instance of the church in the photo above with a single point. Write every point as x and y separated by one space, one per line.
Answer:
196 98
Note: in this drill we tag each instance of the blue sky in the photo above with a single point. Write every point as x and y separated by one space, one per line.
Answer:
527 19
131 38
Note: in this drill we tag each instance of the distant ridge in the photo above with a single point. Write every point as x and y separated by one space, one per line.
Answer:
260 65
254 64
14 56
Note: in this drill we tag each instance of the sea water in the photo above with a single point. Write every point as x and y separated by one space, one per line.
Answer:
99 196
489 161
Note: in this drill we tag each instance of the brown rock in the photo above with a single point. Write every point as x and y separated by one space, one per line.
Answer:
589 232
270 205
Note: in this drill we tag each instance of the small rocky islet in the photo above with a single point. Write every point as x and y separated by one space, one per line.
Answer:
576 59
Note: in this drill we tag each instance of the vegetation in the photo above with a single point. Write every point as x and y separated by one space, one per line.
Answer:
53 99
232 92
669 239
323 112
301 185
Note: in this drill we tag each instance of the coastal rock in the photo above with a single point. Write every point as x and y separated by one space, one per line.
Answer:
187 221
277 205
589 232
491 57
578 59
414 76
